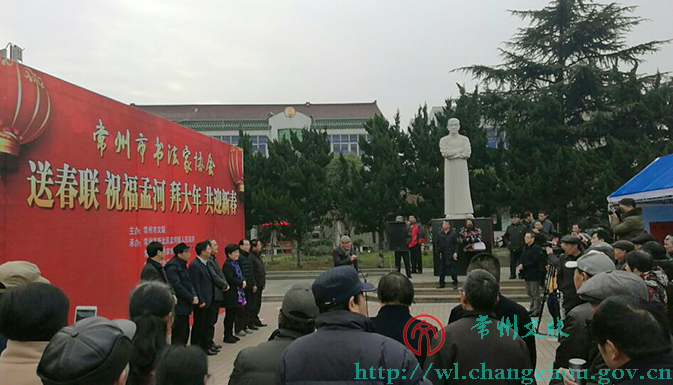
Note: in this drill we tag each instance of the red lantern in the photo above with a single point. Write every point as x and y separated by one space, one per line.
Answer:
24 107
236 166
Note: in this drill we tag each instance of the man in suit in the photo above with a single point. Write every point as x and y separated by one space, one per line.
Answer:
205 290
221 286
531 259
401 255
178 278
153 271
244 323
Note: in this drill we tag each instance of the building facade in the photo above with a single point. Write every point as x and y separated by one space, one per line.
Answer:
344 123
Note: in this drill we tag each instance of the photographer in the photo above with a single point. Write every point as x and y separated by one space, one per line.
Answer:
630 224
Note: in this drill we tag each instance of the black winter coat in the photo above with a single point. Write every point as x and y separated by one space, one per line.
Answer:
245 263
153 271
329 356
506 309
178 278
231 295
257 365
448 245
259 270
341 257
566 284
391 322
532 258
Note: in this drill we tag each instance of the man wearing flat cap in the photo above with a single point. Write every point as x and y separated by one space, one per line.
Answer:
630 224
343 349
571 252
621 249
343 254
576 344
597 289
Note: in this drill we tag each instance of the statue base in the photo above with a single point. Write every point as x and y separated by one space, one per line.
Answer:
459 216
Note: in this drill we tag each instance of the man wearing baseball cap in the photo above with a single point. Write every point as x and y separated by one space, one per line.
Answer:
630 224
257 365
92 351
178 278
344 348
576 343
17 273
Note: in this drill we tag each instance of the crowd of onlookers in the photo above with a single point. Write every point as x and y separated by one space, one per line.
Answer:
609 303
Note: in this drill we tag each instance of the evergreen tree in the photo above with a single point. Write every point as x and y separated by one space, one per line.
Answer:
382 181
577 125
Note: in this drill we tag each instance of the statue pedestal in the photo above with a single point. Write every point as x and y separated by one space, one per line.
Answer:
464 258
458 217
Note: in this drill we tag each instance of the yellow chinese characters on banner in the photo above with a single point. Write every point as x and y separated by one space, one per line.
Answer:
123 143
69 187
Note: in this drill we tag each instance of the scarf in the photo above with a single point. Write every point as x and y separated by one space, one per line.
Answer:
240 294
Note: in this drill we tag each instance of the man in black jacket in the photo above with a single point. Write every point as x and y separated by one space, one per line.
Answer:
513 238
531 259
259 271
448 254
396 293
257 364
221 286
505 310
205 290
344 350
343 255
153 271
475 342
244 324
178 278
571 252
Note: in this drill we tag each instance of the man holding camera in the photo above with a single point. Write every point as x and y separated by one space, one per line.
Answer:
630 223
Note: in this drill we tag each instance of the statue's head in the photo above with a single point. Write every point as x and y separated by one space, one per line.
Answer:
454 125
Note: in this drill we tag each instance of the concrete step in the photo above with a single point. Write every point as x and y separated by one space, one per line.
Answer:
435 291
461 280
313 274
443 295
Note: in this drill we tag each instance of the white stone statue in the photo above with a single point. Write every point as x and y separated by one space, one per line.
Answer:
456 150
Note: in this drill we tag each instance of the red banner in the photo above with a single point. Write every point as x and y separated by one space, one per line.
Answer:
87 182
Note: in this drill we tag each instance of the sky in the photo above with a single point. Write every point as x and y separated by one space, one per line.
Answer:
399 53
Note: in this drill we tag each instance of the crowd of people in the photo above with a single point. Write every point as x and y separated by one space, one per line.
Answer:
609 303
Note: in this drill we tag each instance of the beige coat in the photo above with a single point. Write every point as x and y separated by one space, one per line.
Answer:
18 363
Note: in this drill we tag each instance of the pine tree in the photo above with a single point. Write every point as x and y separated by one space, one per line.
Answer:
571 115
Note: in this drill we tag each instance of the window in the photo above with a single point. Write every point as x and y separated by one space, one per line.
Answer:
344 144
258 142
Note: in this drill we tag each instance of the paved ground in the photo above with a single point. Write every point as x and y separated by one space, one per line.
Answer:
222 364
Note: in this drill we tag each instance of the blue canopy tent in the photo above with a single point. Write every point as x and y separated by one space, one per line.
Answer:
652 189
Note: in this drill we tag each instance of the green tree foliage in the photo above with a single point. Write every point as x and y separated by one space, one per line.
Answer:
341 173
577 124
382 182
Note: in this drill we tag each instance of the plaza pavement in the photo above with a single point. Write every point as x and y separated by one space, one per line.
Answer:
221 365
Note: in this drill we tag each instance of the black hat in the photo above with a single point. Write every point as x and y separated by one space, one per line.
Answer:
624 245
180 248
94 350
337 285
628 202
515 215
572 239
643 239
